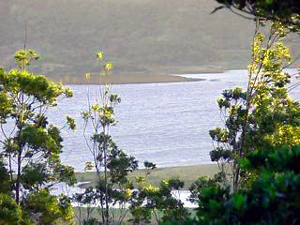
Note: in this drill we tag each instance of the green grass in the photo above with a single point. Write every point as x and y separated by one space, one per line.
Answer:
188 174
81 214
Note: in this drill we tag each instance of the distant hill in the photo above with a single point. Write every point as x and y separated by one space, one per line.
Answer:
139 36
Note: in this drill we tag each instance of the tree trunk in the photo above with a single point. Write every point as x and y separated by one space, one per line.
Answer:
18 178
105 177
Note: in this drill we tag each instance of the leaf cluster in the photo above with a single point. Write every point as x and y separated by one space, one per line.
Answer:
44 208
31 149
286 12
149 200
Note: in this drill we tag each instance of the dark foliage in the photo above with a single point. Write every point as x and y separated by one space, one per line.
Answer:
286 11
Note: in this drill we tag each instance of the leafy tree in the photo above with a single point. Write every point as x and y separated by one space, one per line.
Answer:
273 198
113 166
261 114
259 144
159 202
111 163
287 12
31 147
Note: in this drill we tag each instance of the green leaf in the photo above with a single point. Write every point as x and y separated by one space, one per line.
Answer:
71 123
239 200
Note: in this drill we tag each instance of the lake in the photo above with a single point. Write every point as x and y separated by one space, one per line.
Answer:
166 123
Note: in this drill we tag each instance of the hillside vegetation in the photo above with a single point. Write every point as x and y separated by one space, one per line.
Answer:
156 37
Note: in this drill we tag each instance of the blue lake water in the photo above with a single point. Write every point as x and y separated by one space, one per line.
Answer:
166 123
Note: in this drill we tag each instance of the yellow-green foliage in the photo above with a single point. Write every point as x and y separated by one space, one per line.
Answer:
47 209
287 135
16 81
31 149
264 113
10 211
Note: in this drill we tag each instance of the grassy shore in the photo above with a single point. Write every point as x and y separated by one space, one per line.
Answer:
188 174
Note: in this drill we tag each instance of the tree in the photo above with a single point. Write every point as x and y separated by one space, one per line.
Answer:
259 146
273 198
261 114
31 147
111 163
149 201
287 12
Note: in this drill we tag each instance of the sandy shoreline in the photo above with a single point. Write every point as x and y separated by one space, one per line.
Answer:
122 79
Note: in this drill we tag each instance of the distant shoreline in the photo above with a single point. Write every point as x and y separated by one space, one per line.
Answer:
126 79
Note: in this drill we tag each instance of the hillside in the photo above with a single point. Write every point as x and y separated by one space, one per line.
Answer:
141 37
